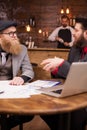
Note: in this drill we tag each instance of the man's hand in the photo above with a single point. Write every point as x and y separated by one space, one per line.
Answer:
59 39
51 63
66 43
17 81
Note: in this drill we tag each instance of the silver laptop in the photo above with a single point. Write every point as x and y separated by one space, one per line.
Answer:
75 83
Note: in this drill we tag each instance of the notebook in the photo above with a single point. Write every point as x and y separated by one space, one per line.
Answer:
75 83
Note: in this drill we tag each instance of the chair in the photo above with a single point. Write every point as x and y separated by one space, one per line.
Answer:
3 119
21 126
40 73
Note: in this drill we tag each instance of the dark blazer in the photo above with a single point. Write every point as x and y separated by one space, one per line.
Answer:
74 56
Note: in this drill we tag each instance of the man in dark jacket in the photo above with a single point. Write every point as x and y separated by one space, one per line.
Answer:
60 68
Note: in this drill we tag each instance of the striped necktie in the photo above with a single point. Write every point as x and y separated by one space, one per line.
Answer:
3 55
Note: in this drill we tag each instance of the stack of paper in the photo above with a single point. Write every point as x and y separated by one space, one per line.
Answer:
23 91
12 91
43 84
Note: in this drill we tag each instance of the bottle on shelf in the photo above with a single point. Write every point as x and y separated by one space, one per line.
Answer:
30 43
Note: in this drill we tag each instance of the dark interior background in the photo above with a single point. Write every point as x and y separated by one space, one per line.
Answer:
45 14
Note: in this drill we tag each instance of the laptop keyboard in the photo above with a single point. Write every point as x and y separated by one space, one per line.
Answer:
58 91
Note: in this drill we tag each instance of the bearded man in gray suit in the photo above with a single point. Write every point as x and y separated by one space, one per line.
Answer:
16 59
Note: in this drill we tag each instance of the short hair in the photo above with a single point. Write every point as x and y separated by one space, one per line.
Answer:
83 22
64 16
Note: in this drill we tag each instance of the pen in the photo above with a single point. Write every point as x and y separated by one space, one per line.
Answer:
1 92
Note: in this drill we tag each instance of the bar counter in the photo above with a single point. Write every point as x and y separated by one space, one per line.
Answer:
38 54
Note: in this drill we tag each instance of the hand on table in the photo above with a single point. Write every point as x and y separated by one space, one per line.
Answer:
17 81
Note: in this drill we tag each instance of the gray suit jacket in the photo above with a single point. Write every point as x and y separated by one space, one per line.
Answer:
22 62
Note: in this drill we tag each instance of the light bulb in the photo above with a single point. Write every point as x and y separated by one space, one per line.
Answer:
39 31
67 10
28 28
62 11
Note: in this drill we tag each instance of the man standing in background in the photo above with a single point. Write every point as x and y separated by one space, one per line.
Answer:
63 34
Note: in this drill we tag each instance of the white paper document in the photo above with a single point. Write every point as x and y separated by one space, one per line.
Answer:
13 91
43 84
23 91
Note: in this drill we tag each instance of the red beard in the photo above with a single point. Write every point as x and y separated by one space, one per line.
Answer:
12 46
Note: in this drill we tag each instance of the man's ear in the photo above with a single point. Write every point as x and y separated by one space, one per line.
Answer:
0 39
85 34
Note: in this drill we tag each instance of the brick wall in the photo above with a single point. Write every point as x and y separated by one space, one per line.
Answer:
45 13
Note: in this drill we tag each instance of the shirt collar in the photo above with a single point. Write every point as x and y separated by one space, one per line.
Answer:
84 50
67 27
1 50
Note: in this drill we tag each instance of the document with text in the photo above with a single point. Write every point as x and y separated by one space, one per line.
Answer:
44 83
13 91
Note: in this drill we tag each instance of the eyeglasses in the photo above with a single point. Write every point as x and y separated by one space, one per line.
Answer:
11 34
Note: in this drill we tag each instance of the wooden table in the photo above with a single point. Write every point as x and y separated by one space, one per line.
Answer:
41 104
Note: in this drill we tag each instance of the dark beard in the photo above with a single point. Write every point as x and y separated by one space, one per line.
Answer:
81 42
11 46
64 25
